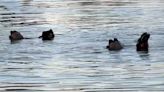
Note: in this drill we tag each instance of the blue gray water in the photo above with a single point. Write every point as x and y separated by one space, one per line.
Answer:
76 60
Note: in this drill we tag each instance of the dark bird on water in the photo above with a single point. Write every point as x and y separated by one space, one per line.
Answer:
114 44
15 35
142 44
47 35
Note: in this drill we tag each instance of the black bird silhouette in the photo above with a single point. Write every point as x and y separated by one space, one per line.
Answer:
142 44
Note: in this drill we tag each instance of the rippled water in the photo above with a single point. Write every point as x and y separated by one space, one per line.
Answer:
76 60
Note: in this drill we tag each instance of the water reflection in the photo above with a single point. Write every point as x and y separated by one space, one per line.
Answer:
76 60
14 42
144 55
3 7
87 3
26 2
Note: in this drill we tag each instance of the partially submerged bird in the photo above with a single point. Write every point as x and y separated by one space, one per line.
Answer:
142 44
114 45
15 35
47 35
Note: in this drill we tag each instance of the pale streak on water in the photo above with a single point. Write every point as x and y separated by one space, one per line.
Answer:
77 61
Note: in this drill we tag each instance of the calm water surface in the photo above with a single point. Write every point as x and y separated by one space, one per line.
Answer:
76 60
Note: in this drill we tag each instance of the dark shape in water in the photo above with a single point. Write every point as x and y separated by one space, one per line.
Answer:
47 35
15 35
142 44
114 45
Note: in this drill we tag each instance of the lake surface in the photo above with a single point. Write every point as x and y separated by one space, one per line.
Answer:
77 60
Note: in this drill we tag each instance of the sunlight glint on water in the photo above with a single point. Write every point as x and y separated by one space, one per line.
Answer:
76 60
